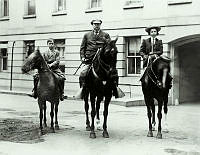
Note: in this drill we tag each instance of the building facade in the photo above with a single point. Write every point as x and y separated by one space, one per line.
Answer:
27 24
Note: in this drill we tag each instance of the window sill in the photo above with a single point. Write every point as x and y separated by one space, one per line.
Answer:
176 2
59 13
4 18
134 6
29 16
93 10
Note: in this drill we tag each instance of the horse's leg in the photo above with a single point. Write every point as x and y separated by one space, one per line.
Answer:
147 101
159 115
93 113
97 113
45 118
105 114
86 95
52 116
40 104
165 128
153 114
56 115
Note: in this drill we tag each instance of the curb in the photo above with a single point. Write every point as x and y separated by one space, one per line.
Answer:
127 102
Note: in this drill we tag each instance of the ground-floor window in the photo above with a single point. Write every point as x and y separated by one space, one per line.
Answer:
134 61
4 59
29 47
60 46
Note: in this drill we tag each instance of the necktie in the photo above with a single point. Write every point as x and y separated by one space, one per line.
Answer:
152 47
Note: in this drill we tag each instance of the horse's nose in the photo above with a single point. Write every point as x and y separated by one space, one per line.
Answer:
23 70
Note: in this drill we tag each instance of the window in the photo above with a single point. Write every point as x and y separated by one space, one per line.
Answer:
30 7
133 56
4 8
133 4
94 4
3 59
29 47
60 5
60 46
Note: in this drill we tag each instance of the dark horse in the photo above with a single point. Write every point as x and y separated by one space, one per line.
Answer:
100 84
156 83
47 89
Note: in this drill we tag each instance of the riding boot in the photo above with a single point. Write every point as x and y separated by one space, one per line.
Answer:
61 86
117 92
35 83
79 94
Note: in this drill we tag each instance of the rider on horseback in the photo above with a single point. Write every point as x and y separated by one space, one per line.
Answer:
52 58
151 48
92 42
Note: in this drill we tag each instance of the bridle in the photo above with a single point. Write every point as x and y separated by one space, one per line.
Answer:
157 82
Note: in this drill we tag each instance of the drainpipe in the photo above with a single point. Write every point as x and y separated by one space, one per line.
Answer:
11 66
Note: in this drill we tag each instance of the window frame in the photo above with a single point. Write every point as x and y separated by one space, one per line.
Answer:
4 12
94 9
135 57
26 9
135 4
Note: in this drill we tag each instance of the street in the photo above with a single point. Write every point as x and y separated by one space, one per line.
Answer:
127 128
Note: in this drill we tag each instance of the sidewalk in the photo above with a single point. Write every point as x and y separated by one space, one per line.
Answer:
125 101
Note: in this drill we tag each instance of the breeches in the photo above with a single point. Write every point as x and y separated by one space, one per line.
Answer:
84 70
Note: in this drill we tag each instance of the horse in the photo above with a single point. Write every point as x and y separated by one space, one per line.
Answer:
47 88
156 83
99 84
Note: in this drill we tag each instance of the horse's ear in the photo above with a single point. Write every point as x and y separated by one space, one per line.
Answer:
38 48
116 39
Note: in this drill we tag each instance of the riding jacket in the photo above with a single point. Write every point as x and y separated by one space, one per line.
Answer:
146 48
91 42
52 57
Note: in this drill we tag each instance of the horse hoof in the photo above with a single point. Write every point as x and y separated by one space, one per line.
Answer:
150 134
42 132
105 134
159 135
52 130
154 126
92 135
57 127
88 128
99 128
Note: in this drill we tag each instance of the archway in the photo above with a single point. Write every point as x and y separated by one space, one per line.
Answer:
186 69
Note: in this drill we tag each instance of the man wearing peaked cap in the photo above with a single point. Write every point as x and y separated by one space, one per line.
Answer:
96 21
91 42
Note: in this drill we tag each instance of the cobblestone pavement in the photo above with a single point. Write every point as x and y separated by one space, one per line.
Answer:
127 127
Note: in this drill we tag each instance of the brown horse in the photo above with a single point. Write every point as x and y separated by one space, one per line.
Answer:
47 89
156 83
99 84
